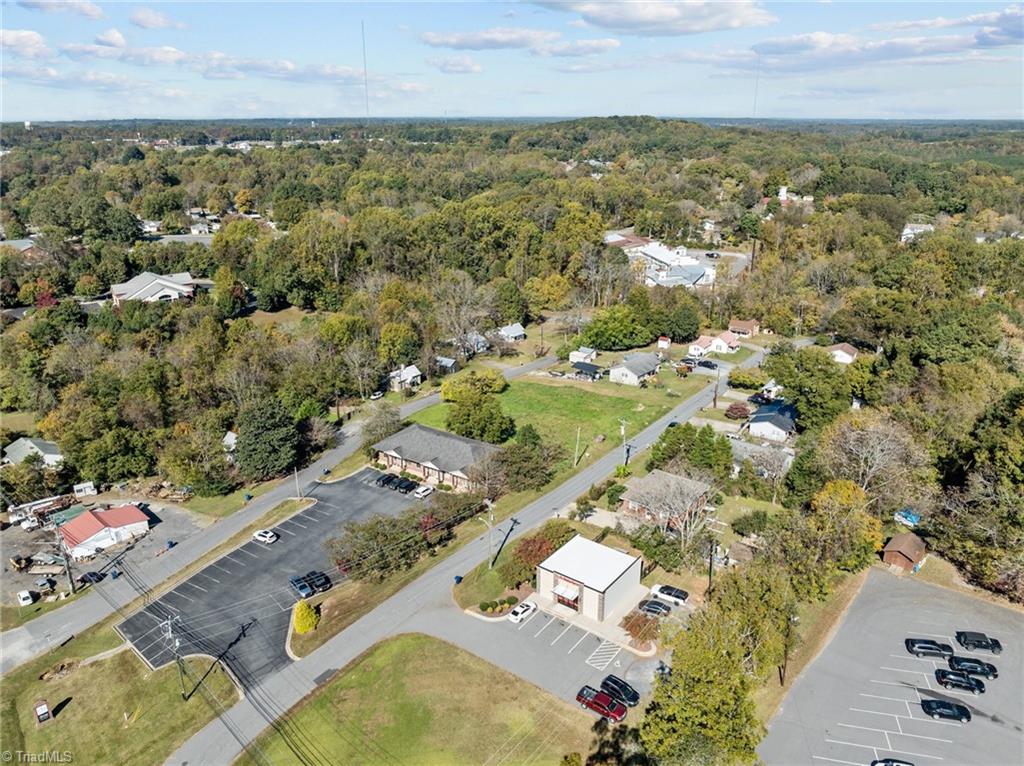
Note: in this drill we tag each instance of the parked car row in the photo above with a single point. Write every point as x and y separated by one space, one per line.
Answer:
611 700
310 583
962 673
404 485
661 597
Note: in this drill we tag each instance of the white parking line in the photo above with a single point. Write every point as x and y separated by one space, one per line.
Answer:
875 749
896 715
567 628
293 521
879 697
550 620
210 577
222 569
900 733
189 582
578 642
835 760
233 561
603 655
281 529
248 553
180 595
527 620
933 661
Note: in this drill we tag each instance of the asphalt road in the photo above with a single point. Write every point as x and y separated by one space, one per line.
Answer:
237 608
53 628
861 698
424 605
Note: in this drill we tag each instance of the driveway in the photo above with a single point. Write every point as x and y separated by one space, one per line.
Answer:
861 699
238 607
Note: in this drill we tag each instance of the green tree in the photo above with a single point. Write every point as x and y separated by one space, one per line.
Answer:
305 618
384 420
479 416
267 439
398 343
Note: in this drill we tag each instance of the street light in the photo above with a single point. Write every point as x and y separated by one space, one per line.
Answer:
489 521
793 620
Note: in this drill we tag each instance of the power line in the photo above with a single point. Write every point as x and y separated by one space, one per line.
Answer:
366 79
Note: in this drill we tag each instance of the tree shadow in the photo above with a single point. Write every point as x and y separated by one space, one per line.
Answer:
59 707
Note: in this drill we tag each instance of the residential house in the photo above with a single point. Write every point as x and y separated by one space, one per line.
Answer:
723 343
744 328
635 369
664 342
438 457
198 228
583 354
760 455
511 333
906 551
595 581
771 390
587 371
914 230
27 248
672 502
94 531
445 365
150 288
18 450
150 227
709 232
843 353
405 377
775 422
471 343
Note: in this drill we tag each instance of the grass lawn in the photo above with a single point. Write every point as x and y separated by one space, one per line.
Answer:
225 505
427 702
740 355
733 507
18 421
352 463
287 319
14 616
938 571
91 702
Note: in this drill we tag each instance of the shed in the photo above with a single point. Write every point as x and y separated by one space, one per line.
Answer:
905 550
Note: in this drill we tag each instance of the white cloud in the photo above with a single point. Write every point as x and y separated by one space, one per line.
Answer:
147 18
164 55
89 80
577 48
1008 19
111 38
456 65
490 39
81 7
668 17
24 43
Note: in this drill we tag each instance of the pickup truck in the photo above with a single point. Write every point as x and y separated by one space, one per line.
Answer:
601 703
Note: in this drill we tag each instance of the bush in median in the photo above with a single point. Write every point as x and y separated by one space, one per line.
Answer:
306 618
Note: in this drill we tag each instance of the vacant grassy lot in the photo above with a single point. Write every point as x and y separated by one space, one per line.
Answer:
740 355
225 505
18 421
92 700
732 507
414 699
557 408
13 616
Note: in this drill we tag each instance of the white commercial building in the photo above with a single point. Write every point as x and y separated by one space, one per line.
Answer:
592 579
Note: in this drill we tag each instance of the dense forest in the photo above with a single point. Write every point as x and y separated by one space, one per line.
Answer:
396 237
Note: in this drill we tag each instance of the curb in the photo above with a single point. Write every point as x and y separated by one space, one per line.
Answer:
485 618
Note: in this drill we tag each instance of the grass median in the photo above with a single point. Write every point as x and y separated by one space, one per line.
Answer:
415 699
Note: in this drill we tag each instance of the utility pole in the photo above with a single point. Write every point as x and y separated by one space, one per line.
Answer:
489 521
576 454
622 433
718 381
298 492
67 558
711 562
173 641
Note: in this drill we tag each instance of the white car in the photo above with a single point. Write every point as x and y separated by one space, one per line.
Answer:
423 491
522 611
670 594
264 536
25 598
376 395
30 523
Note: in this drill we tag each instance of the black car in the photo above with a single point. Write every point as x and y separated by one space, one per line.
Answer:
707 364
972 641
90 578
318 581
713 256
925 647
974 667
943 709
955 679
690 361
387 480
620 690
654 608
891 762
405 486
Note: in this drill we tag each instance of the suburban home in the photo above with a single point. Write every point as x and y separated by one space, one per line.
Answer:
906 551
199 228
670 501
438 457
723 343
583 354
591 579
771 389
27 248
775 422
26 447
93 531
150 288
914 230
587 371
760 456
471 343
664 342
404 377
744 328
511 333
634 369
445 365
150 227
843 353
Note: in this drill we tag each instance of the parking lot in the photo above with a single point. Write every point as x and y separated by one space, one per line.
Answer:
238 607
861 699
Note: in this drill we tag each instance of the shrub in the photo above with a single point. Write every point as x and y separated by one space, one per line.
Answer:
641 626
748 523
749 379
444 487
305 618
583 506
511 600
737 411
623 472
614 495
482 606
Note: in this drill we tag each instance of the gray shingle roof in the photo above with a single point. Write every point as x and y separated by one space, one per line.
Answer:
422 444
781 416
24 447
640 364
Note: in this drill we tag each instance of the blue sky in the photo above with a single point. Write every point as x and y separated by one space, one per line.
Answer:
78 59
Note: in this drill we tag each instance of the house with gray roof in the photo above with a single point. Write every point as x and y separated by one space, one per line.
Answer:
511 333
636 368
438 457
775 422
26 447
150 288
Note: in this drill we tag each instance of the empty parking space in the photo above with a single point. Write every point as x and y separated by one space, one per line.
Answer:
237 608
861 699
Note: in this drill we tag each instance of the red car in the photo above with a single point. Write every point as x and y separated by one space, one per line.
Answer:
601 703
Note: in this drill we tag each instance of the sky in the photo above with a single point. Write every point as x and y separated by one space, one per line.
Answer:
79 59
